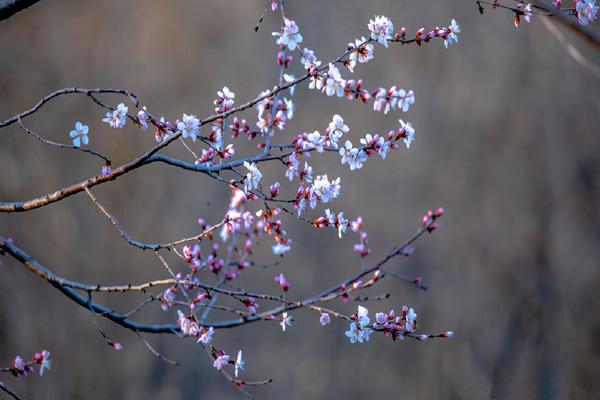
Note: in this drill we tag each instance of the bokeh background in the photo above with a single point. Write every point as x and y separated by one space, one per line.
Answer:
507 141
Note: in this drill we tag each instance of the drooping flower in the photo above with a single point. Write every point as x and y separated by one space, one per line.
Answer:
336 129
221 360
43 359
407 132
80 134
206 335
452 37
143 118
252 178
285 285
118 117
290 36
335 83
280 249
239 363
286 320
325 319
381 29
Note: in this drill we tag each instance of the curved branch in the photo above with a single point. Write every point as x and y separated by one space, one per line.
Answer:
88 92
8 8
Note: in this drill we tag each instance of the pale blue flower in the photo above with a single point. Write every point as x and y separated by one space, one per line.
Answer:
80 134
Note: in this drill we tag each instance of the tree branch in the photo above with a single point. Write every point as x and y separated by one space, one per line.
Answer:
10 7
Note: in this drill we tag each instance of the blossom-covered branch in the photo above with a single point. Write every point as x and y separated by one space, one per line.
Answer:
208 264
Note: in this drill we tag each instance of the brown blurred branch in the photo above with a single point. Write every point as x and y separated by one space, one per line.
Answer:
590 35
565 16
10 7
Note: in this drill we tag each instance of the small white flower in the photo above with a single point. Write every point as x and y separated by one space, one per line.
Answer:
408 131
118 117
325 319
362 53
286 320
381 29
206 336
290 36
252 178
189 126
80 134
279 249
221 361
363 316
586 11
335 83
239 363
143 118
455 28
309 60
352 156
405 99
335 131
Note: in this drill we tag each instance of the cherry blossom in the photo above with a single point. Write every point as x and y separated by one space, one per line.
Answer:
325 319
106 170
118 117
362 52
285 285
80 134
381 29
407 132
339 222
363 316
43 359
239 363
309 60
225 101
586 11
452 38
280 249
322 190
206 335
335 131
252 178
286 320
290 36
19 367
221 361
274 189
352 156
358 334
189 127
334 83
143 118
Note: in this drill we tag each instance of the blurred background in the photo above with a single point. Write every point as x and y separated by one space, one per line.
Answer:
507 141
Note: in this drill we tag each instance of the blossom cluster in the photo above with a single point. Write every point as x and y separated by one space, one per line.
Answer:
20 367
224 251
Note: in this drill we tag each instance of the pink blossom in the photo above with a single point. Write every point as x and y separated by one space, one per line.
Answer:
221 360
285 285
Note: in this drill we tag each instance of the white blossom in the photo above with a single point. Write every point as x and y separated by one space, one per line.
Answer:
381 29
290 36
